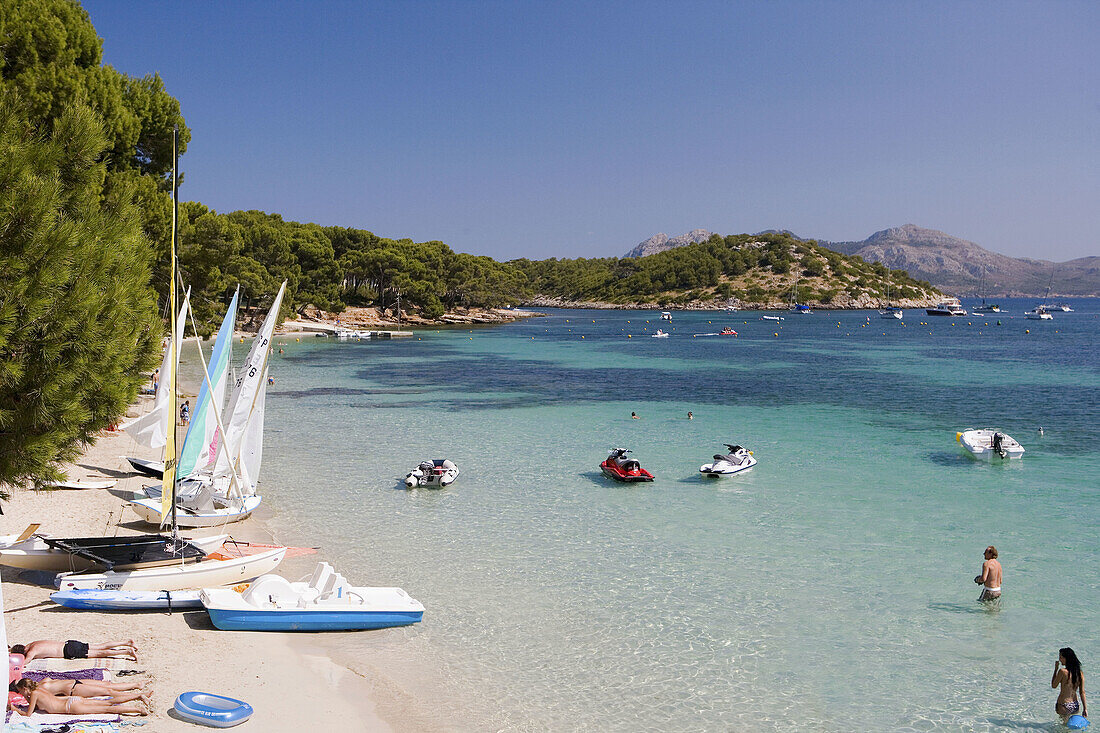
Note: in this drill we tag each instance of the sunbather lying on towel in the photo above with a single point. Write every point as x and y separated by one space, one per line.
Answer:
68 705
120 691
73 649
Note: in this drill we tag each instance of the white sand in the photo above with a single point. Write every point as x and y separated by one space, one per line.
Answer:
291 686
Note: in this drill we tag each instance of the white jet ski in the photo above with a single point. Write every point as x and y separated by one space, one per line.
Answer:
737 460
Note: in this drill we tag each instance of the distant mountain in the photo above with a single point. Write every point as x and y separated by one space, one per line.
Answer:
956 265
951 264
661 242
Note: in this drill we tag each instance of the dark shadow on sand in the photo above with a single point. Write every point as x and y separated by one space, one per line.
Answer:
109 472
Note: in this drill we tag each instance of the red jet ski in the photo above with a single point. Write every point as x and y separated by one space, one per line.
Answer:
621 468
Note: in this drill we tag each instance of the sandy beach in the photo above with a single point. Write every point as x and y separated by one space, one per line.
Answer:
290 684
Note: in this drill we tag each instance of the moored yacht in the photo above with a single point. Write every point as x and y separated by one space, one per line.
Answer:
947 307
989 444
1038 313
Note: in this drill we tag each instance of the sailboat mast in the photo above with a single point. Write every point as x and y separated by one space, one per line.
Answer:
169 481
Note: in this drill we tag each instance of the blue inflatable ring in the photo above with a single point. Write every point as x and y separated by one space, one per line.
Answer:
1077 722
207 709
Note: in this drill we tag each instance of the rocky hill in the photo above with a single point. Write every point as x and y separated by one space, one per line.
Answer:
954 265
957 265
660 242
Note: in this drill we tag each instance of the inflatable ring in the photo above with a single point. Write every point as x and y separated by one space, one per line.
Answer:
207 709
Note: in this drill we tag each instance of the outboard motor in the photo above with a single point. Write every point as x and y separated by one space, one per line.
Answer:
997 448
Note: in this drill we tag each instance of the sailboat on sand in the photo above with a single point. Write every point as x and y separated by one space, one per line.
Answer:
187 564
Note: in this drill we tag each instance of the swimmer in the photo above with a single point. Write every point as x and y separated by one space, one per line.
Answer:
990 577
1067 675
633 416
690 416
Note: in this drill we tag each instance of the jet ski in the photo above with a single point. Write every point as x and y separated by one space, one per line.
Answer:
737 460
727 331
433 474
621 468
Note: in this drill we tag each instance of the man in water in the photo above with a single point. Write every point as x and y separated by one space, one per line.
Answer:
990 577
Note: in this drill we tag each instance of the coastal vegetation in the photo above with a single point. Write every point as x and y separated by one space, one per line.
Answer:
763 270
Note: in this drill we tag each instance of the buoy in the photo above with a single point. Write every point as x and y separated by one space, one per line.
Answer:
776 335
1027 330
629 336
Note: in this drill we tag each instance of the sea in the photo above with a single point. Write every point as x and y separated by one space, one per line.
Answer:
830 588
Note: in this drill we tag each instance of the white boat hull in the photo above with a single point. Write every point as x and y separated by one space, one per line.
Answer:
149 511
725 468
84 484
979 444
34 554
203 574
121 600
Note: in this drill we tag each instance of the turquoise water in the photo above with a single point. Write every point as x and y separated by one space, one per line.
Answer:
830 588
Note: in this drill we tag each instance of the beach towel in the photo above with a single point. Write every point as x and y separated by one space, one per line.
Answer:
75 665
88 726
46 719
80 674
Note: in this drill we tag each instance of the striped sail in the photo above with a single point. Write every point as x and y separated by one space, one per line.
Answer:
201 442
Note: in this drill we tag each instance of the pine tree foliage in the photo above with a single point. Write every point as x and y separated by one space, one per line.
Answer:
78 318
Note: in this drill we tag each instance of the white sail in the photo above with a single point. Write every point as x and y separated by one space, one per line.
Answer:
151 429
252 443
246 404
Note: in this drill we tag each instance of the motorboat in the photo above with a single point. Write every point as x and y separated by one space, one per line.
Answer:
947 307
888 313
991 308
434 474
727 331
660 334
324 602
771 318
1064 307
211 571
621 468
988 445
726 464
353 334
1039 313
666 316
60 554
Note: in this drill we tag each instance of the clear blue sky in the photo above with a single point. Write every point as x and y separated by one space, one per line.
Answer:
517 129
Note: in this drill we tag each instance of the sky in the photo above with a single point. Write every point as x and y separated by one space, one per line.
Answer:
578 129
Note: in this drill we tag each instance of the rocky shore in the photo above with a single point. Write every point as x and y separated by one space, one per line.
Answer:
841 302
373 318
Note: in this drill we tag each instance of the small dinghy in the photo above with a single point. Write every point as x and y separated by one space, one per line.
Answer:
621 468
988 445
209 572
324 602
123 600
433 474
737 460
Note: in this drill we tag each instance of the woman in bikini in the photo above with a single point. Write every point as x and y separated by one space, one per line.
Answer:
117 691
1071 696
47 702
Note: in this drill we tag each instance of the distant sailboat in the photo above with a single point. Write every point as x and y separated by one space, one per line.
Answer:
983 308
889 311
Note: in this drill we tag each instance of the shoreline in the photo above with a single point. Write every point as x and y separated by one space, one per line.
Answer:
183 651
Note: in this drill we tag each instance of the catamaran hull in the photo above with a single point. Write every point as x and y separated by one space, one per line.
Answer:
149 511
120 600
207 573
34 554
153 469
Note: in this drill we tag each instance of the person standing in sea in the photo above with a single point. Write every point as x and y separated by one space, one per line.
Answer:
990 577
1068 676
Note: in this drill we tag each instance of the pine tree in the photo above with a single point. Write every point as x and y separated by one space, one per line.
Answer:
78 318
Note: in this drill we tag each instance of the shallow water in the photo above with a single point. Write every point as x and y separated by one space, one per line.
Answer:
827 589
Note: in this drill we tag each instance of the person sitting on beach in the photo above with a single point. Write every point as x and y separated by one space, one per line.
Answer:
72 649
48 702
1067 674
119 691
990 577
